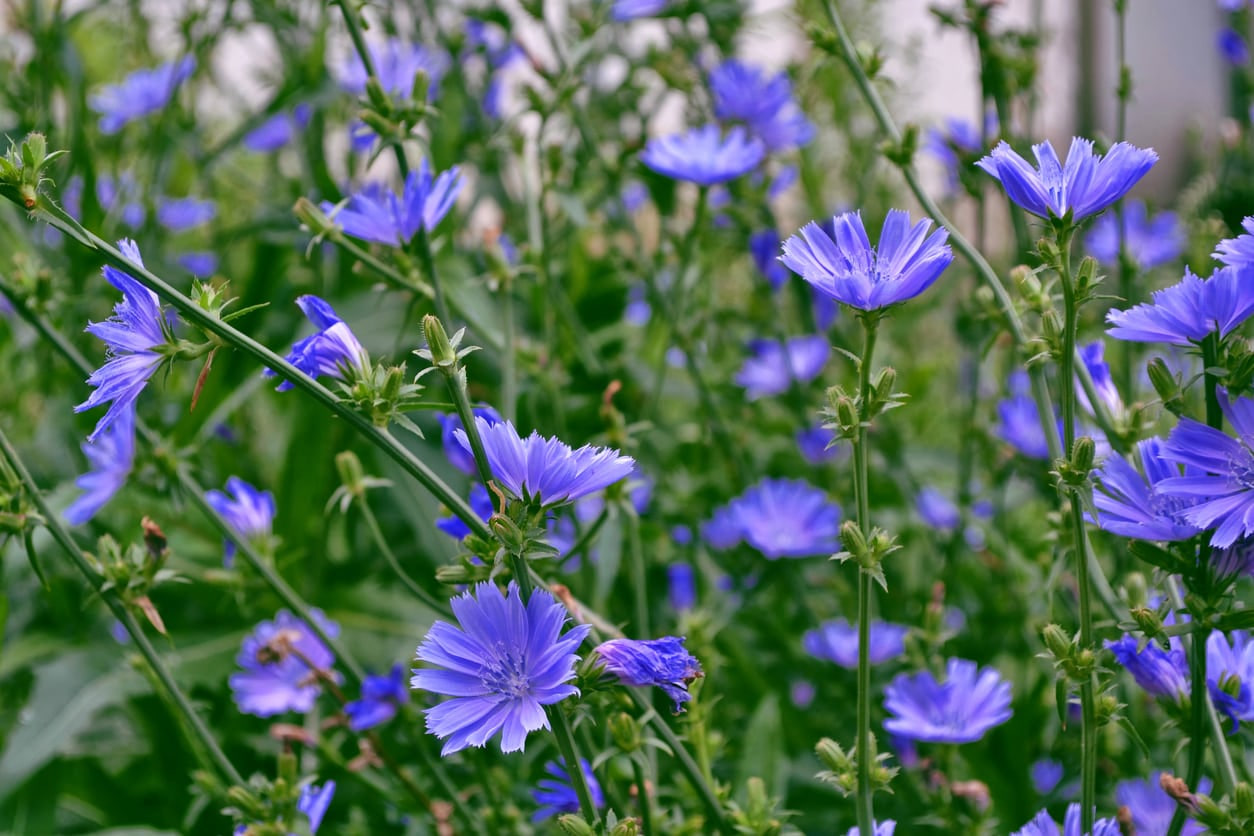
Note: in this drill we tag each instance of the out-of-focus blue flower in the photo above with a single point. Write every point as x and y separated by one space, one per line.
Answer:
249 511
1043 824
276 659
682 535
1232 47
773 367
278 130
1237 559
625 10
1149 241
381 697
139 94
1084 186
379 215
1230 675
813 443
957 136
778 517
1019 422
124 195
199 263
704 155
556 795
313 802
1046 775
458 456
334 351
644 662
1130 504
480 503
546 469
802 693
882 828
501 667
1231 5
396 63
638 311
110 459
1094 359
682 581
785 177
180 213
1222 488
132 336
1161 673
1239 251
763 102
937 510
846 267
495 42
633 195
764 247
837 641
1151 808
960 710
1189 311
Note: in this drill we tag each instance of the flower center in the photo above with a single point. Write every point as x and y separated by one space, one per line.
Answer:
505 672
1168 507
1241 469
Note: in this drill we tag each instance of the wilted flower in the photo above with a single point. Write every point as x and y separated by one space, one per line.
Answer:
1149 242
334 351
774 366
1161 673
181 213
140 93
556 795
381 697
133 336
278 130
846 267
837 641
458 456
249 511
380 215
704 155
1190 311
546 469
1151 808
397 63
643 662
1086 185
1043 824
110 457
501 667
959 710
763 102
780 518
937 510
276 659
1131 505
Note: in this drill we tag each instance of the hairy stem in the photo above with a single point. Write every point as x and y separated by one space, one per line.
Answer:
861 486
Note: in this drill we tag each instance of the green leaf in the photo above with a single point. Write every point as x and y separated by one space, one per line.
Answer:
762 755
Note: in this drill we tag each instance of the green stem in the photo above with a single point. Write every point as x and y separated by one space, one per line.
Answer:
385 271
381 544
574 766
586 537
509 363
522 574
861 487
456 380
421 245
642 795
639 576
59 533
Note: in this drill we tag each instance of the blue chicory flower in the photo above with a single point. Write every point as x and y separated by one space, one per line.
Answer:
682 584
133 336
1160 673
480 502
1230 675
396 63
960 710
1019 422
313 802
110 459
704 155
141 93
458 456
779 518
764 247
381 697
384 217
1084 186
847 268
815 444
1239 251
546 469
763 102
644 662
773 366
248 511
279 130
1093 357
1043 824
625 10
199 263
937 510
182 213
1131 505
332 352
1222 488
633 195
1190 311
276 659
1150 807
1232 47
837 641
1046 775
556 795
882 828
501 667
958 136
1148 241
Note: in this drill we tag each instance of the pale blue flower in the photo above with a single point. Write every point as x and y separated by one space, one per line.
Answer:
279 130
248 511
1043 824
555 795
141 93
959 710
110 458
332 352
773 366
380 215
382 696
276 659
396 63
837 641
704 155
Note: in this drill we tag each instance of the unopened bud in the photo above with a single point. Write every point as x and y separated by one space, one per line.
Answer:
1057 641
245 801
392 384
846 415
352 475
422 82
884 383
1165 384
312 217
508 532
854 541
1136 588
443 355
1051 328
572 825
832 756
1147 620
625 731
626 827
377 96
1243 796
1082 453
